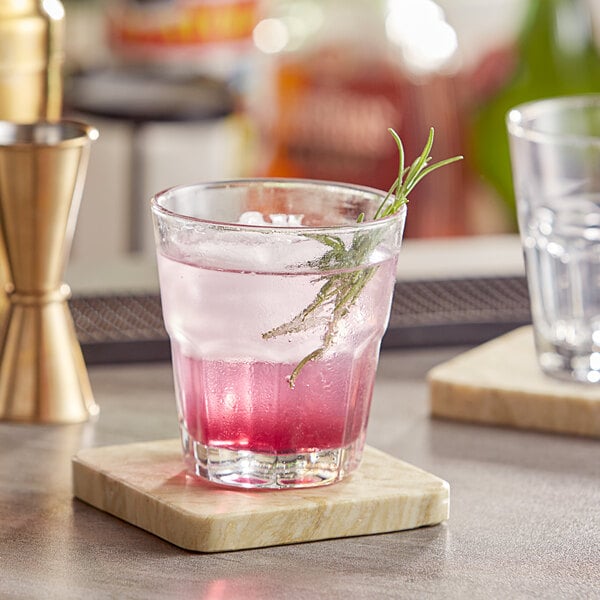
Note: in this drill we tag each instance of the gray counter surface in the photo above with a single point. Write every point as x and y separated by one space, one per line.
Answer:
525 510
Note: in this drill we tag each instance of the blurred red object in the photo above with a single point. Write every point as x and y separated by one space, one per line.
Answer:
335 97
154 30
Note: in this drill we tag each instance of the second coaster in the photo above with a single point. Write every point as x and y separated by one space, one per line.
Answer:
500 383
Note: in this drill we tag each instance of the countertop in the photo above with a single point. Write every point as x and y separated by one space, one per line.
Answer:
525 510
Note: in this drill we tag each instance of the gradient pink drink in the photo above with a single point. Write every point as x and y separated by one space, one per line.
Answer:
233 400
241 421
218 407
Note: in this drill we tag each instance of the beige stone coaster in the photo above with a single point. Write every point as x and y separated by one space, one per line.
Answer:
145 484
500 383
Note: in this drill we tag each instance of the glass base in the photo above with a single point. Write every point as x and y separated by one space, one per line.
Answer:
569 365
246 469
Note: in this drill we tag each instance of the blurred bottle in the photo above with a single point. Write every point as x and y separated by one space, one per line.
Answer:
555 55
210 37
342 73
31 59
190 42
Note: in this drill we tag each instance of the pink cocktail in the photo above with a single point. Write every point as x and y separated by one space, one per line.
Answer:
275 324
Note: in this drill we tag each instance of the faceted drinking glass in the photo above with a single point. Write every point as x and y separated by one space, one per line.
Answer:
555 153
275 299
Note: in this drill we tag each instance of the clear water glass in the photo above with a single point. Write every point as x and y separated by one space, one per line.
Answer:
555 154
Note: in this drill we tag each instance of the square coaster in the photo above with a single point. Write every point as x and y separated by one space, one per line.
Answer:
146 485
500 383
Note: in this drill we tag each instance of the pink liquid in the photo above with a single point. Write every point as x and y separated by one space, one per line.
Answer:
232 384
250 406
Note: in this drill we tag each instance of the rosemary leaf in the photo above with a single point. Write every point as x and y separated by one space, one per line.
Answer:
341 290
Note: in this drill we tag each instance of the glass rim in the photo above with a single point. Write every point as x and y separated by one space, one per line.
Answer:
521 118
276 181
49 134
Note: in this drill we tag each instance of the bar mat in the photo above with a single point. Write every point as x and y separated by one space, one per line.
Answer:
425 313
145 484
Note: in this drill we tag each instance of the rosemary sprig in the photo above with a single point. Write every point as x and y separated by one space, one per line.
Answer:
339 291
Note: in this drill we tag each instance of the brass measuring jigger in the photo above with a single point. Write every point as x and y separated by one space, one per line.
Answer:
31 86
43 377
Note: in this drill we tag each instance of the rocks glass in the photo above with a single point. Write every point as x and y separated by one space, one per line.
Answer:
555 152
275 299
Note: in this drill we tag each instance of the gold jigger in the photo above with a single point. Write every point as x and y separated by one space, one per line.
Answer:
31 58
43 377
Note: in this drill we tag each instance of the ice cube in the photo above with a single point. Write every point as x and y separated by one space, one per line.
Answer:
252 217
284 220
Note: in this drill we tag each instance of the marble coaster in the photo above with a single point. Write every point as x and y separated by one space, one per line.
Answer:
145 484
500 383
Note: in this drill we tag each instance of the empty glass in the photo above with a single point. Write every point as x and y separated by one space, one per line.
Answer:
555 153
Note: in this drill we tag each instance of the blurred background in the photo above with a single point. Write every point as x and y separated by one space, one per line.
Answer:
192 90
